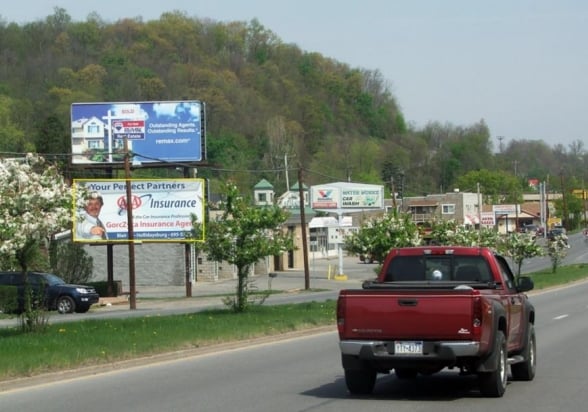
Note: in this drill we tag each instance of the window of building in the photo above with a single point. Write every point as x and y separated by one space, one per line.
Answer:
93 128
448 209
262 197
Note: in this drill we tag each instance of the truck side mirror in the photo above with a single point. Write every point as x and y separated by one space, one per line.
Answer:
525 283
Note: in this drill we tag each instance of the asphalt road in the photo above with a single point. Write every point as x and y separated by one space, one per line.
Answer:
304 373
577 253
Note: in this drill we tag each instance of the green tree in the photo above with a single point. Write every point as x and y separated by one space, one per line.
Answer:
12 139
243 235
53 138
497 186
35 203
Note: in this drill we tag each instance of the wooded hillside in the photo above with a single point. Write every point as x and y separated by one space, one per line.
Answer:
268 103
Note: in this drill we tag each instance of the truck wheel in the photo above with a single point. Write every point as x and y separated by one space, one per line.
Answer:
525 371
65 304
360 381
493 384
405 373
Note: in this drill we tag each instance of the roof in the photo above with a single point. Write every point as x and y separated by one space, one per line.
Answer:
295 186
263 185
532 208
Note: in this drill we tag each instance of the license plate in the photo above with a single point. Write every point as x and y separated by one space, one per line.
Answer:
408 348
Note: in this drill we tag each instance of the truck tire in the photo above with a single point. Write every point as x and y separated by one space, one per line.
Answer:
360 381
493 384
525 371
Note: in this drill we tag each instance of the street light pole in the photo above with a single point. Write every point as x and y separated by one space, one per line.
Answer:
564 202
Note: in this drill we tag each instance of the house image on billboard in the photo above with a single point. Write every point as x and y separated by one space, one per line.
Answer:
89 138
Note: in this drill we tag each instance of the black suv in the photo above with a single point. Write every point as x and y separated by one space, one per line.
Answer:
58 295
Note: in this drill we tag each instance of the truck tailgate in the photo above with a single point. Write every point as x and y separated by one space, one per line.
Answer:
419 315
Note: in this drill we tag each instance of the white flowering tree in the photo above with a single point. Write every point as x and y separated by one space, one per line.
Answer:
519 246
35 203
557 250
377 236
448 232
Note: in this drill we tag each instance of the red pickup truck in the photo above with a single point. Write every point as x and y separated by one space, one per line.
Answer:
436 307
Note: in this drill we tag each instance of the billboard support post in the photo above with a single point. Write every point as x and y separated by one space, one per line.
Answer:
188 254
131 238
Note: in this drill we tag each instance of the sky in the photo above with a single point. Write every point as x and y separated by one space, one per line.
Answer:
520 66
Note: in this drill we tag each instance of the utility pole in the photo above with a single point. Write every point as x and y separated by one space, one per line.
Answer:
303 230
563 201
479 213
392 192
584 203
286 167
546 191
131 234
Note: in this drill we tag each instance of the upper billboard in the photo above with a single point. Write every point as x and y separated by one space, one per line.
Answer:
156 132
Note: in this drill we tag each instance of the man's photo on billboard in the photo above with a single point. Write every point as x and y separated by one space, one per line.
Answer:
88 224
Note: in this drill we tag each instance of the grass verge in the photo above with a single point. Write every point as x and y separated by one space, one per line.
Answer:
94 342
100 342
565 274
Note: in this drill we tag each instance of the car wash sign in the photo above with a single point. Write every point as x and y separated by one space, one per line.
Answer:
162 210
155 132
347 197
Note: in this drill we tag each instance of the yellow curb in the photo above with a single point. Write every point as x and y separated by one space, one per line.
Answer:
340 277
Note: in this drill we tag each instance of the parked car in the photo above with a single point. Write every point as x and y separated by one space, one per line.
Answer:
529 228
51 291
366 258
556 232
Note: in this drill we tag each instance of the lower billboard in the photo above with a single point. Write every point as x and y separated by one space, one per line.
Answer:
162 210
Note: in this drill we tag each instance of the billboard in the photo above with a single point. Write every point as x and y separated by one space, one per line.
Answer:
156 132
347 196
162 210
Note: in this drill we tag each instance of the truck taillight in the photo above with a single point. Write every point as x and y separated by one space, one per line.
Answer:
477 314
340 315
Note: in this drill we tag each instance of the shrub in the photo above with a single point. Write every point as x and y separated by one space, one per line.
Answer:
71 262
8 299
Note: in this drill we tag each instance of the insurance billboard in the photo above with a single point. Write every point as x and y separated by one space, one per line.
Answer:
156 132
162 210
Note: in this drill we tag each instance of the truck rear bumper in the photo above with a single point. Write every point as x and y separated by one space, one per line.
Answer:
443 351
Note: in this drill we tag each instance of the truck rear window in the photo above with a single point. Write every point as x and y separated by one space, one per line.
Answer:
438 268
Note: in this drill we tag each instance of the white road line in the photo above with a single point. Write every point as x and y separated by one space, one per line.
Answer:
561 317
